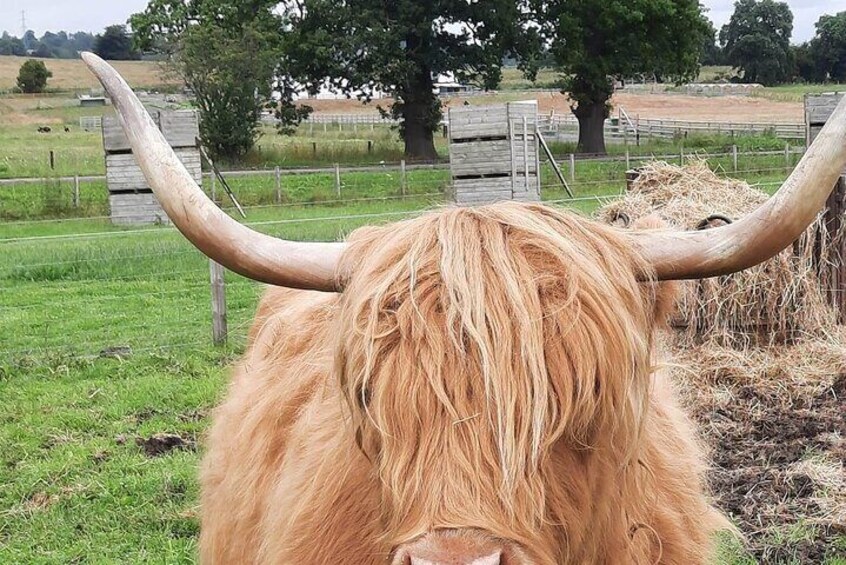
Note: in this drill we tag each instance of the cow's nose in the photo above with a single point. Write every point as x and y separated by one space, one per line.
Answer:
492 559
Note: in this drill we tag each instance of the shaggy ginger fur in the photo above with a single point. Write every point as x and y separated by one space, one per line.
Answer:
485 368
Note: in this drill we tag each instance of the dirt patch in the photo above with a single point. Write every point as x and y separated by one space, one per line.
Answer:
162 444
769 433
725 109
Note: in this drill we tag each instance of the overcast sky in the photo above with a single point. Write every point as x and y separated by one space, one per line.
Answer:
95 15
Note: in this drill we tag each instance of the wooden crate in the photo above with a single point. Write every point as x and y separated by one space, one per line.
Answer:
131 200
494 153
818 109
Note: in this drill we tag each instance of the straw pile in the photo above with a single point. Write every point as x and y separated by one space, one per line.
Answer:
761 365
780 301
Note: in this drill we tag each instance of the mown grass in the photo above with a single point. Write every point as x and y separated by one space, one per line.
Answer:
73 288
79 488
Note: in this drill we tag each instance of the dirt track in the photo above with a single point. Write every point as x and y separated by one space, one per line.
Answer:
668 106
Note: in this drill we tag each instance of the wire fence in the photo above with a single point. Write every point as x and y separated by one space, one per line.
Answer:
72 284
86 196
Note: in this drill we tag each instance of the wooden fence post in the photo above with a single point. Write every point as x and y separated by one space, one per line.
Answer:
338 179
218 298
787 156
734 157
277 195
403 178
76 191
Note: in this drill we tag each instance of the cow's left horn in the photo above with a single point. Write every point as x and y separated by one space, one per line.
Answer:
763 233
255 255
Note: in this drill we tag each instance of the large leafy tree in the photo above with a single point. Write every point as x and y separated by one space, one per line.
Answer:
114 44
400 47
595 42
227 52
828 48
757 41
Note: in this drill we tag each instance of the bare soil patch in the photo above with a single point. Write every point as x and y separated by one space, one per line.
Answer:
777 444
645 105
162 444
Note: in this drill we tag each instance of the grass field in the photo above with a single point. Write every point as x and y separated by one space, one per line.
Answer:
105 333
71 74
75 420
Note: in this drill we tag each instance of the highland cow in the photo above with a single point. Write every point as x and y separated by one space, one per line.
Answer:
477 387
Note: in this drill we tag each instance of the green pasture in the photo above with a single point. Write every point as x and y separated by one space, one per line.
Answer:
105 332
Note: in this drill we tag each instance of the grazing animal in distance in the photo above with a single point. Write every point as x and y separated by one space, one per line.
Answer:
469 387
44 129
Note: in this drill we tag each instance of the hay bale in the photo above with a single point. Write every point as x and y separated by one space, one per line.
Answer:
779 301
761 365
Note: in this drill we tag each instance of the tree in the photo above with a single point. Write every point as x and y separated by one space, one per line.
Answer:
33 76
757 41
227 52
712 55
362 47
115 45
11 45
828 48
595 42
806 67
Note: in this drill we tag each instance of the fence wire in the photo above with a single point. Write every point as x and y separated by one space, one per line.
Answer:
72 284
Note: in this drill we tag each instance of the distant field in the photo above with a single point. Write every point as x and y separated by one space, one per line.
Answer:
71 74
797 92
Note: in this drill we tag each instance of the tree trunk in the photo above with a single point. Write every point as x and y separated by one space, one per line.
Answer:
591 127
419 137
420 112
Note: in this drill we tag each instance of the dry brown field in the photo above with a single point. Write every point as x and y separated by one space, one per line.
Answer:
71 74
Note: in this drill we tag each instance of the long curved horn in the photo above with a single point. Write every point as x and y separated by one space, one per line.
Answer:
255 255
765 232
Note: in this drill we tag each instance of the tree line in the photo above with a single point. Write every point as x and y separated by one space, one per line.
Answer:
230 51
243 57
756 44
114 43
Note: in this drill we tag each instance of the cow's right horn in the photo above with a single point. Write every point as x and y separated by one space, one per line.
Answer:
255 255
763 233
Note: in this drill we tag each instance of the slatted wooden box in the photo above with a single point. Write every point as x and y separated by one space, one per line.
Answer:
493 153
131 201
818 109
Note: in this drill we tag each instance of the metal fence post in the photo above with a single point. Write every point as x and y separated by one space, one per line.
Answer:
403 178
572 168
218 299
76 191
338 179
277 196
734 157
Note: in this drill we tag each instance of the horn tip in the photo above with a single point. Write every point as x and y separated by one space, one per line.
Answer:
90 59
